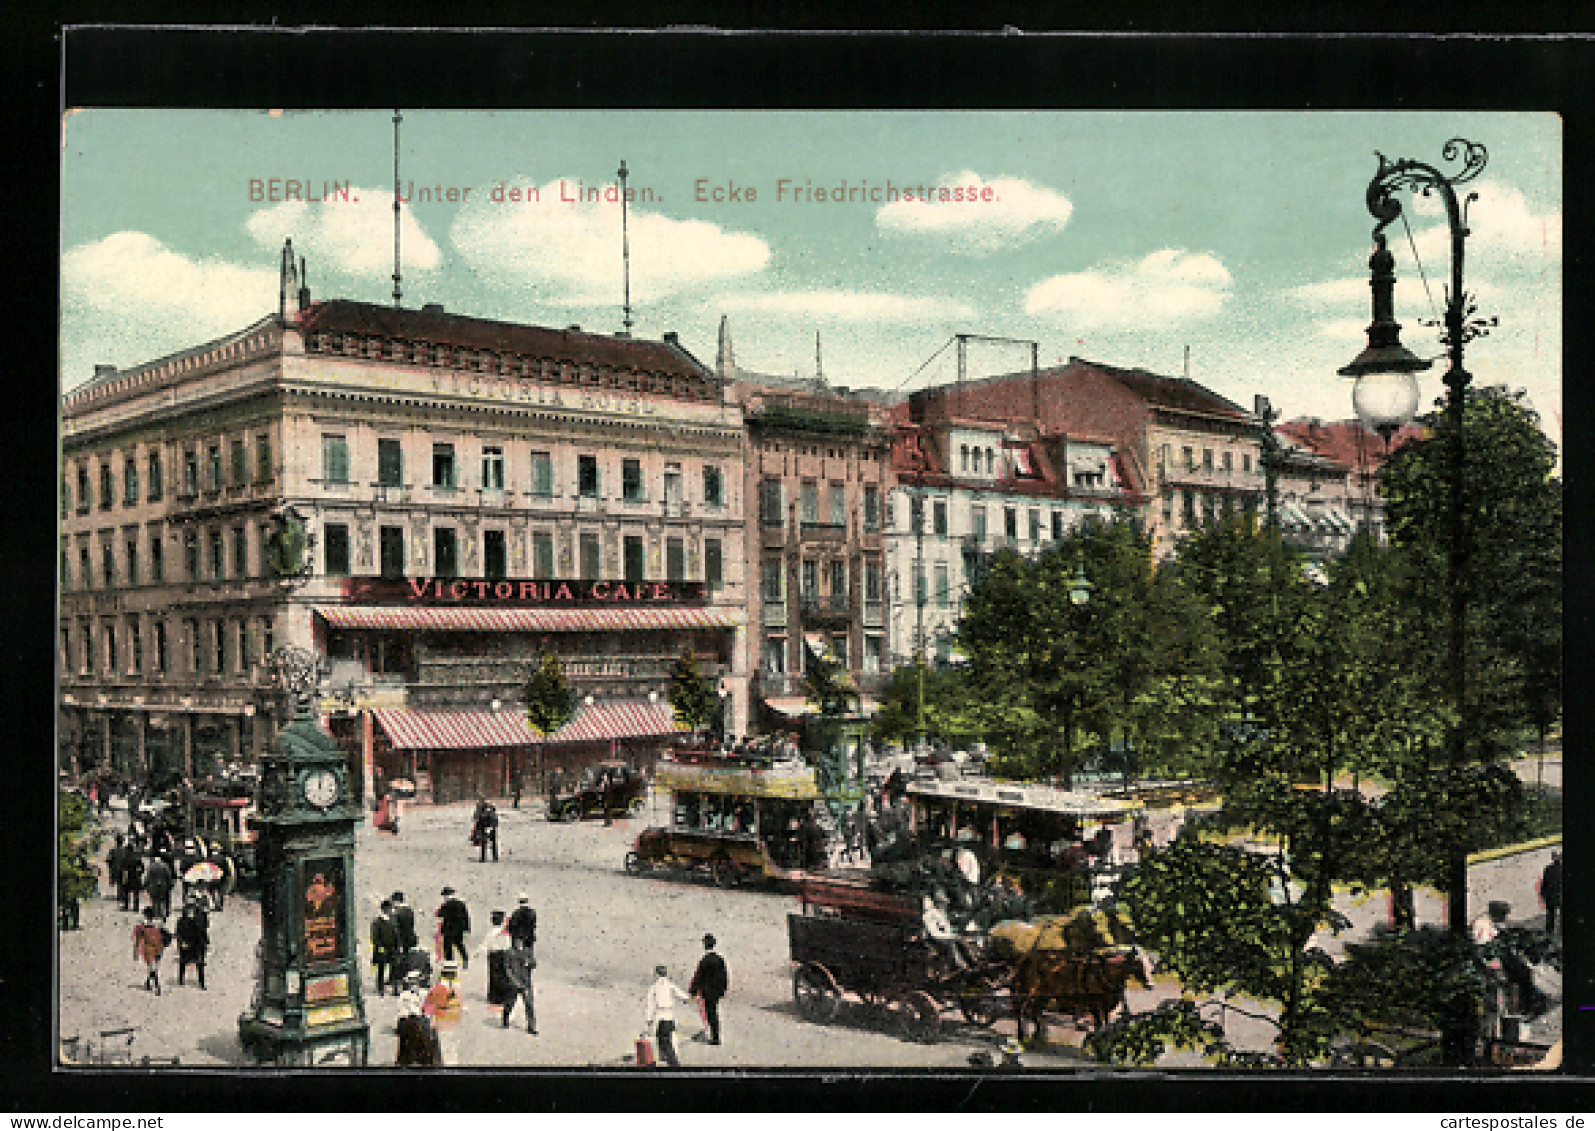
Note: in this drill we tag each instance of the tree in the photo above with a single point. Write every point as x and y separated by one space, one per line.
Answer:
549 702
949 706
827 686
693 695
77 840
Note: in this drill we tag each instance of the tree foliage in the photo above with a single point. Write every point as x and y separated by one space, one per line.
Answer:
76 842
693 695
549 702
826 684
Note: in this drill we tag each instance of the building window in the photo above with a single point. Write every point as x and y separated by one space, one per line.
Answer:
130 482
775 655
675 560
991 462
1010 524
1189 456
218 564
838 571
872 507
1188 508
542 474
263 469
938 515
772 509
246 651
713 563
334 459
874 654
240 551
494 560
631 481
838 505
1246 462
811 580
492 469
268 637
240 463
390 463
542 555
190 473
810 502
919 584
1035 526
108 565
633 560
213 464
445 552
218 643
390 542
135 646
83 489
443 474
943 588
590 559
673 496
106 498
111 656
1207 459
335 540
132 561
85 569
66 567
163 655
587 476
1057 526
713 486
191 555
1229 461
770 576
977 522
963 457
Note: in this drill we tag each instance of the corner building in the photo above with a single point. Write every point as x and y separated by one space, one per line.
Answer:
429 501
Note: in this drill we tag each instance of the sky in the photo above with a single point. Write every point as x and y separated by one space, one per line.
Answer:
1126 238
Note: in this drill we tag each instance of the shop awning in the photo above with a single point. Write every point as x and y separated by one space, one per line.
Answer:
476 729
436 619
454 730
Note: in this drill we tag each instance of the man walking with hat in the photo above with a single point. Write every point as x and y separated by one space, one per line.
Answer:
522 923
454 923
710 981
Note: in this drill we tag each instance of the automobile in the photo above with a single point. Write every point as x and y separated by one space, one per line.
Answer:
628 789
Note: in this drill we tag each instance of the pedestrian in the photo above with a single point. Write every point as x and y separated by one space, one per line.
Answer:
418 1041
445 1007
516 785
113 868
132 878
158 882
1551 890
608 790
709 984
660 1015
518 966
414 966
193 940
493 945
522 924
150 941
217 887
404 923
484 829
454 923
385 949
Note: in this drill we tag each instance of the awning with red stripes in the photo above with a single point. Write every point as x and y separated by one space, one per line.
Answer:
467 619
470 730
454 730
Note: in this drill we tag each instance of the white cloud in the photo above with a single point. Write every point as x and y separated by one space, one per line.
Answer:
129 298
1016 212
846 306
1502 228
1169 286
353 236
569 253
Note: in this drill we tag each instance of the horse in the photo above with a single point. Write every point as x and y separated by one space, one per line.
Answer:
1077 984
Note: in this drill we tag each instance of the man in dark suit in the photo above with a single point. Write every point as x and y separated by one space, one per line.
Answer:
710 981
385 949
522 923
518 967
404 923
454 923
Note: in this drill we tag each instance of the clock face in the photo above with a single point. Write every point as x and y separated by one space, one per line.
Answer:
321 788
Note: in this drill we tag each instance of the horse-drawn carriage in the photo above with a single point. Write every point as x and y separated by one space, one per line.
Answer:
851 939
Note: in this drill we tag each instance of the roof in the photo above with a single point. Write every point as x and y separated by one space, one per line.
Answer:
345 316
1347 441
478 729
1179 393
468 619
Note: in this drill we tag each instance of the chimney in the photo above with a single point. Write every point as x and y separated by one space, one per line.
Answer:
673 338
103 370
304 285
725 360
432 308
573 328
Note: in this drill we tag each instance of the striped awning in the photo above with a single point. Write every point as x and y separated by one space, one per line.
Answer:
454 730
466 619
473 730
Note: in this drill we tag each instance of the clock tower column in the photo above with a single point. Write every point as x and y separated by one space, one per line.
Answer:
308 1009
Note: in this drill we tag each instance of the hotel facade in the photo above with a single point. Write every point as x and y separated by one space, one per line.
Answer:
427 501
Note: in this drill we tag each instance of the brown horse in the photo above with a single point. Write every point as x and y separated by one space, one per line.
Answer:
1077 984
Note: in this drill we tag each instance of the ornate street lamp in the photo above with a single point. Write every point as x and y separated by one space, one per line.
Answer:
1386 397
